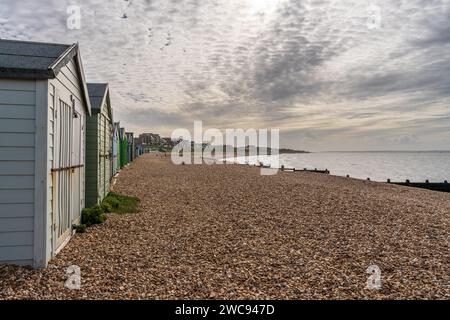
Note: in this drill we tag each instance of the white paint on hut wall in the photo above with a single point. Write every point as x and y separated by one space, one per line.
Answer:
70 183
17 168
102 125
42 152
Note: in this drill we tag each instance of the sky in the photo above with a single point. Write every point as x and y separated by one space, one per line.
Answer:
330 74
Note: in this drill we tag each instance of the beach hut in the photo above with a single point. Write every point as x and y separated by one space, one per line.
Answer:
44 103
99 139
139 150
130 147
123 145
116 148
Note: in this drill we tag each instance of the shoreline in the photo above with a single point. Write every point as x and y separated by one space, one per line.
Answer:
429 185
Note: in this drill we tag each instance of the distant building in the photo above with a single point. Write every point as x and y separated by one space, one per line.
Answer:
149 139
167 142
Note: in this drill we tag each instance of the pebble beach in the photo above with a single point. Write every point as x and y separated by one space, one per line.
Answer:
226 232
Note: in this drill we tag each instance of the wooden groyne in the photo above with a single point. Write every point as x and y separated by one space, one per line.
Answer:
434 186
268 166
443 187
283 168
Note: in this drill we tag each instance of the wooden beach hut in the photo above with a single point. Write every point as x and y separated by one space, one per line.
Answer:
116 148
123 145
44 103
139 150
99 141
130 147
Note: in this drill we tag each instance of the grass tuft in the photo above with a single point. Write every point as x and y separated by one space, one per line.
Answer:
91 216
115 203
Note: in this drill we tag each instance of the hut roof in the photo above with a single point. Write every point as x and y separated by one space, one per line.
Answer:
98 93
38 60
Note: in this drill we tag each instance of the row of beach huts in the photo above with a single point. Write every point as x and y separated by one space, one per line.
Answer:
59 148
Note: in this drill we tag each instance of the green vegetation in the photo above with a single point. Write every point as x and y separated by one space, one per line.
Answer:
91 216
120 204
81 228
113 203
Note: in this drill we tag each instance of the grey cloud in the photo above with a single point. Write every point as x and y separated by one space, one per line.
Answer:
309 63
152 118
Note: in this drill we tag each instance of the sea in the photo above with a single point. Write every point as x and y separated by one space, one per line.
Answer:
378 166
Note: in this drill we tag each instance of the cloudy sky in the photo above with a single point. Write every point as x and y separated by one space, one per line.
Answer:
330 74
